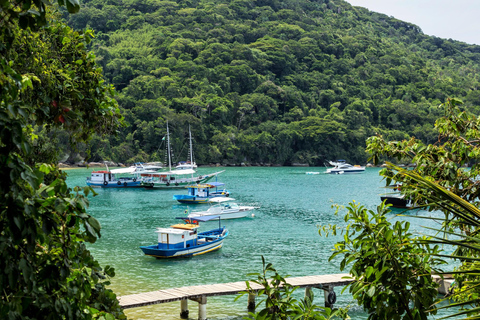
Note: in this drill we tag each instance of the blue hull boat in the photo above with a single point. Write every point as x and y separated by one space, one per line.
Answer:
108 179
202 193
183 240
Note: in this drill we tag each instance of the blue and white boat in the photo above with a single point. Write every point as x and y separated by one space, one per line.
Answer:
202 193
121 178
184 240
341 167
109 179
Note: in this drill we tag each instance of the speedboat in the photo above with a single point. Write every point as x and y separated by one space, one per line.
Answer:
202 193
341 166
184 240
225 208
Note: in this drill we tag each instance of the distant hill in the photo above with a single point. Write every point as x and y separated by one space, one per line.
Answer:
268 81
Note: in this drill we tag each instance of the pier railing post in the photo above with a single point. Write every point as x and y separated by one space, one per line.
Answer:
184 309
202 307
251 301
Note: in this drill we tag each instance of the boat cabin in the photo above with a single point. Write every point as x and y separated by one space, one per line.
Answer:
199 190
102 176
177 236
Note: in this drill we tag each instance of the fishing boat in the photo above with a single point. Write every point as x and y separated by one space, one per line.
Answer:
121 178
202 193
225 208
109 179
341 167
174 178
184 240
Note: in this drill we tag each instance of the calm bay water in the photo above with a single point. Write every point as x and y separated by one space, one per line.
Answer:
284 230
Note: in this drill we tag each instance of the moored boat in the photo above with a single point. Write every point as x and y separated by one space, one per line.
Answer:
174 178
396 199
341 167
189 164
224 208
109 179
184 240
202 193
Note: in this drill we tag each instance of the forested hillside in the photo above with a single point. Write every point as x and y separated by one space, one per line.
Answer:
268 81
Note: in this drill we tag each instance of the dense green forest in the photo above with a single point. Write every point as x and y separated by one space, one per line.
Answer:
267 81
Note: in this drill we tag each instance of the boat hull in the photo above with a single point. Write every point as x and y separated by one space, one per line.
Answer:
395 201
342 171
225 214
115 184
180 183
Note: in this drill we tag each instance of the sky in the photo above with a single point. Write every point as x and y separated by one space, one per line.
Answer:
455 19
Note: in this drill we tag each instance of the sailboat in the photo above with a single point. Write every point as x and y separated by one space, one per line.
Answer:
174 178
189 164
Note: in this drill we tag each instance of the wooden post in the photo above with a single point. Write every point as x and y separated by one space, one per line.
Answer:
184 309
202 307
251 302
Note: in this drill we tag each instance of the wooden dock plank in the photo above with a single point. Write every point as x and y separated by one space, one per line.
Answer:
177 294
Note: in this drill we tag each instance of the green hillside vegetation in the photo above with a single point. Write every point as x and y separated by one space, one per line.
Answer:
270 82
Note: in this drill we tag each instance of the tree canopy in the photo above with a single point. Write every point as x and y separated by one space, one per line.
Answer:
269 81
48 81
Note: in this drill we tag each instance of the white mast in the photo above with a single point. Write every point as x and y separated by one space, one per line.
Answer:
168 150
191 150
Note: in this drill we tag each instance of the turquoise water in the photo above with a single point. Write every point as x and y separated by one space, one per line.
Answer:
284 230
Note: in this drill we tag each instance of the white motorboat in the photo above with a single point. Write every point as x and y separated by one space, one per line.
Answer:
224 208
341 167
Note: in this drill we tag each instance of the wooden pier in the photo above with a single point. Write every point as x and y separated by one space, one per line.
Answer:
200 293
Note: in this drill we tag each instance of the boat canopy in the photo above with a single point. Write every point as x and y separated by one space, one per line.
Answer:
183 171
200 186
124 170
201 219
216 184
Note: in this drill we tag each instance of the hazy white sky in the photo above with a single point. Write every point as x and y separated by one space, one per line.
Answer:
455 19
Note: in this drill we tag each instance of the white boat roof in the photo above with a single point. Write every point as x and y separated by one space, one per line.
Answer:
182 171
170 230
123 170
221 199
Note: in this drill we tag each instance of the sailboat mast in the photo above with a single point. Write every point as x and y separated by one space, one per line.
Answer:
168 150
191 150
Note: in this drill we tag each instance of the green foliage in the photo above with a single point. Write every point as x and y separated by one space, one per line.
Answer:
278 300
465 245
391 268
443 162
440 181
243 63
49 84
